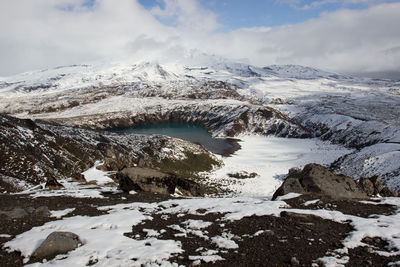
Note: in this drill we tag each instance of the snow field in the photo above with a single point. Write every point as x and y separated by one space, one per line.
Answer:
271 158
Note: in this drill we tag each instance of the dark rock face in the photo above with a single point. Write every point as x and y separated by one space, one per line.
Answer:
376 181
56 243
150 180
386 192
373 187
319 180
367 186
188 187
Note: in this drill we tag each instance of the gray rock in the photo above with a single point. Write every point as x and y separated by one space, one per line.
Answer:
367 186
373 186
376 180
294 171
150 180
319 180
386 192
294 261
43 211
30 209
16 213
56 243
298 216
291 184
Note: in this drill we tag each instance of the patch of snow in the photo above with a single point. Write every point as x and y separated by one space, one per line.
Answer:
310 202
71 189
225 241
206 258
5 235
93 174
151 232
259 232
288 196
60 213
196 224
334 261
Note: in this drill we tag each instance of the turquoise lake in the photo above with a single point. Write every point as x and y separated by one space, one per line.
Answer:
189 132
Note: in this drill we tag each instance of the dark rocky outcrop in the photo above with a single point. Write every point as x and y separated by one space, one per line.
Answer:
188 187
150 180
367 186
386 192
319 180
56 243
373 187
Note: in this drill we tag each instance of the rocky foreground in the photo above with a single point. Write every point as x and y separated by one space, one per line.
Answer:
334 222
287 238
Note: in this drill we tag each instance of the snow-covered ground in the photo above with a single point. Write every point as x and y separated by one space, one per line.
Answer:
104 241
270 158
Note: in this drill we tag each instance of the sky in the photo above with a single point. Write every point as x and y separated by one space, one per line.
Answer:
345 36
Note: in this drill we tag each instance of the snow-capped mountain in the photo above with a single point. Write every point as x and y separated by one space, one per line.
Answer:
228 99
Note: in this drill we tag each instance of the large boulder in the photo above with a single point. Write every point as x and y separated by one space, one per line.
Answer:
319 180
56 243
150 180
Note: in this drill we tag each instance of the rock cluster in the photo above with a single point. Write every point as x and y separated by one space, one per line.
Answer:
150 180
319 180
373 187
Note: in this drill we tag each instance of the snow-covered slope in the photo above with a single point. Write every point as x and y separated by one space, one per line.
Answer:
228 98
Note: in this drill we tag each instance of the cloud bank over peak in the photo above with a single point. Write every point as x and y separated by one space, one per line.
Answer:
47 33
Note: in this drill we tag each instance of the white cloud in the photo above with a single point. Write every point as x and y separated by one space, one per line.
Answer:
40 33
46 33
302 4
343 41
187 14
